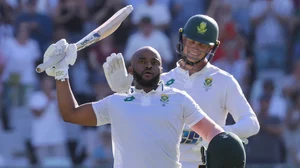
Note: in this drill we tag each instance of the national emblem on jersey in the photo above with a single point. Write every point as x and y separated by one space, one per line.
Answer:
208 83
164 99
170 82
202 28
129 99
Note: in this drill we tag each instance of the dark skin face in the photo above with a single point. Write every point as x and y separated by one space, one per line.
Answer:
194 51
146 68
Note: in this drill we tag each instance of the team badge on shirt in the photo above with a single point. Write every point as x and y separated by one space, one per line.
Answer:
164 99
207 83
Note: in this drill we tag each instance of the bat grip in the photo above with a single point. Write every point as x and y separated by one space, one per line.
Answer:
52 61
41 68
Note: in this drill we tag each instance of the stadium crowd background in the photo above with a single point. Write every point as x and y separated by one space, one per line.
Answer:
260 46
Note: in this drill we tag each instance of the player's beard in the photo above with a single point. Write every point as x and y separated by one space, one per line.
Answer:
146 83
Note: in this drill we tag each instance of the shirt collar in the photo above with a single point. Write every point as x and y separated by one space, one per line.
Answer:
202 71
159 89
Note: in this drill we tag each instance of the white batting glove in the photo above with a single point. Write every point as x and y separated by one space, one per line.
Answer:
69 54
116 74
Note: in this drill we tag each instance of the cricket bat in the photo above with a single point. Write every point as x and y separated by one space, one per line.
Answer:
101 32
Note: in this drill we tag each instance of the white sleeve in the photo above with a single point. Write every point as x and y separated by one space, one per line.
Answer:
192 113
101 109
246 123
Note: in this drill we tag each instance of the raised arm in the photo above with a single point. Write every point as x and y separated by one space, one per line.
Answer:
69 109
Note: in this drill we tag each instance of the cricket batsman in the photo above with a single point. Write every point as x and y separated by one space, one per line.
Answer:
217 92
147 122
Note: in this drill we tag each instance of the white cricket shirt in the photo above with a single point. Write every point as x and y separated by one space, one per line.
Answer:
147 127
217 93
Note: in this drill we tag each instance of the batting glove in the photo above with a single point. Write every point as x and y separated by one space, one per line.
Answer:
68 53
116 74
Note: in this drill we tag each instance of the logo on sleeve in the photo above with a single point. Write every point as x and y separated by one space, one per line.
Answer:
129 99
207 83
170 82
164 99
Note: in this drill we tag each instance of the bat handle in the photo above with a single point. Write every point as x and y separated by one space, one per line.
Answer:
52 61
42 67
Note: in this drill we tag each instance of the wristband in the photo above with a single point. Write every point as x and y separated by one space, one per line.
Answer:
61 74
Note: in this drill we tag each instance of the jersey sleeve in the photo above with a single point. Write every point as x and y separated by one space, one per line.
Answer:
192 113
246 123
101 109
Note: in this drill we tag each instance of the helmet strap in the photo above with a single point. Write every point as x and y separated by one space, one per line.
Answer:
211 54
179 46
184 58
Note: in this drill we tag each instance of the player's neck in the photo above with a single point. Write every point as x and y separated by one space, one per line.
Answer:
193 69
146 89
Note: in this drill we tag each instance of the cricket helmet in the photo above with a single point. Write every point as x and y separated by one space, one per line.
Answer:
200 28
226 150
